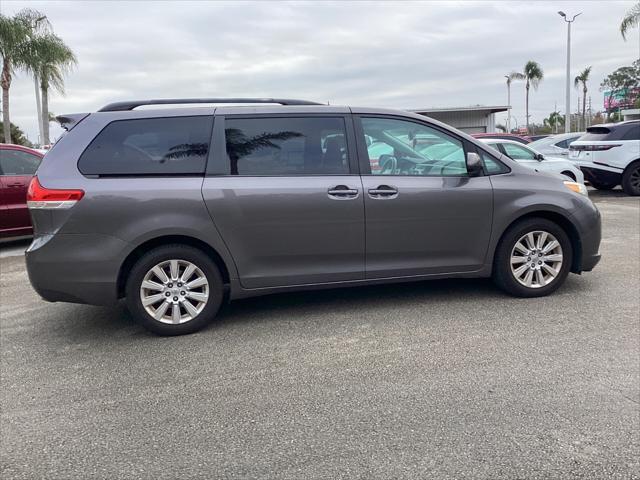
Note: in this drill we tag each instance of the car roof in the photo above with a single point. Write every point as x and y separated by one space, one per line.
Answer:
12 146
614 124
501 140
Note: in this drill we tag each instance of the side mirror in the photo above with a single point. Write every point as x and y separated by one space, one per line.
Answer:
474 165
539 157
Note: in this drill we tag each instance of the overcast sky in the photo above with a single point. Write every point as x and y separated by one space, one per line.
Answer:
399 55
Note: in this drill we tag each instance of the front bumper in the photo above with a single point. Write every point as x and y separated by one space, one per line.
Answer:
76 268
588 221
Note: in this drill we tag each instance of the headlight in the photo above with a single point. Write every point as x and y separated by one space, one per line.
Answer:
577 187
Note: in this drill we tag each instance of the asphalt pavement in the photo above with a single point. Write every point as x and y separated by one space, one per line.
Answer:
440 379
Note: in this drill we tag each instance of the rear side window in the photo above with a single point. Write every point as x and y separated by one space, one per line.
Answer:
16 162
633 133
287 146
150 146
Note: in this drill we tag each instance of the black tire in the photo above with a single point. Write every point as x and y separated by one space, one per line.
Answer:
631 179
169 252
602 185
570 175
502 274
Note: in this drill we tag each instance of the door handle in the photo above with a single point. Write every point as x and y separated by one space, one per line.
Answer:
342 192
17 184
383 191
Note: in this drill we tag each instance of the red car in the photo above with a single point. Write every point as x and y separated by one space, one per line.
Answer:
504 136
17 165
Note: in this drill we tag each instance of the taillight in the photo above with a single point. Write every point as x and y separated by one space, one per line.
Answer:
593 148
40 197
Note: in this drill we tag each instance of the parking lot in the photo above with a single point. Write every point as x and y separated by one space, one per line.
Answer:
444 378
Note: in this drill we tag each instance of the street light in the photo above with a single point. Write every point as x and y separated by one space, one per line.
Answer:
508 77
567 113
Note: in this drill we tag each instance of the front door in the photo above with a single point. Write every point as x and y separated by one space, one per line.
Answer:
424 214
289 206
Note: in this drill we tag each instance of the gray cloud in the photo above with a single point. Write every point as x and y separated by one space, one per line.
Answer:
400 54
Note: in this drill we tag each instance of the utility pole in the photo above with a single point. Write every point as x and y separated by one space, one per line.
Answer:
567 121
508 103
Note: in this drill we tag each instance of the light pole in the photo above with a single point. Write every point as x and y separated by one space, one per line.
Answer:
508 77
567 113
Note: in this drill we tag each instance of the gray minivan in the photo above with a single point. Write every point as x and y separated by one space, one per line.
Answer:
177 209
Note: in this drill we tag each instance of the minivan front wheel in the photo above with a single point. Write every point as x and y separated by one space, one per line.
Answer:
174 290
533 258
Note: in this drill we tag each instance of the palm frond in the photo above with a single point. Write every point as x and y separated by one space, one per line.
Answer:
533 73
630 20
582 78
50 59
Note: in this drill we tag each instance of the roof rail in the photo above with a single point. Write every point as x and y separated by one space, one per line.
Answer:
124 106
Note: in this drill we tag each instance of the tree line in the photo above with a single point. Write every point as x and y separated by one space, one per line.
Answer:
27 43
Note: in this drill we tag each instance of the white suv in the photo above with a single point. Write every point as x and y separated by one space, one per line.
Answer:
609 155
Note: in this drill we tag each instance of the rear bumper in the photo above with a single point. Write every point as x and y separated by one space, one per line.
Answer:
75 268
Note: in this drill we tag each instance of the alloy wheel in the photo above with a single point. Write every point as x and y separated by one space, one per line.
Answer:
536 259
174 291
634 179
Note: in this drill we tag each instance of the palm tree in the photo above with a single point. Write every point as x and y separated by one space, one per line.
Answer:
631 19
16 33
583 78
533 75
50 58
553 120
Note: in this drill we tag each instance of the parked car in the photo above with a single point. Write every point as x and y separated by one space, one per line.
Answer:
534 138
176 209
17 166
503 136
556 145
609 155
526 155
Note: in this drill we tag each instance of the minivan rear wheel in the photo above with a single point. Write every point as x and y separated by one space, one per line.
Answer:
533 258
174 290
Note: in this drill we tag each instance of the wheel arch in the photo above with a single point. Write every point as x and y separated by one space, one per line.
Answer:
144 247
561 220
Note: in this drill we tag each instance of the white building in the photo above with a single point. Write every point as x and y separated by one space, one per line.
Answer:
476 119
630 114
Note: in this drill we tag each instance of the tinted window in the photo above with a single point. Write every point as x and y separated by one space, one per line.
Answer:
518 152
633 133
15 162
287 146
566 142
596 133
152 146
399 147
